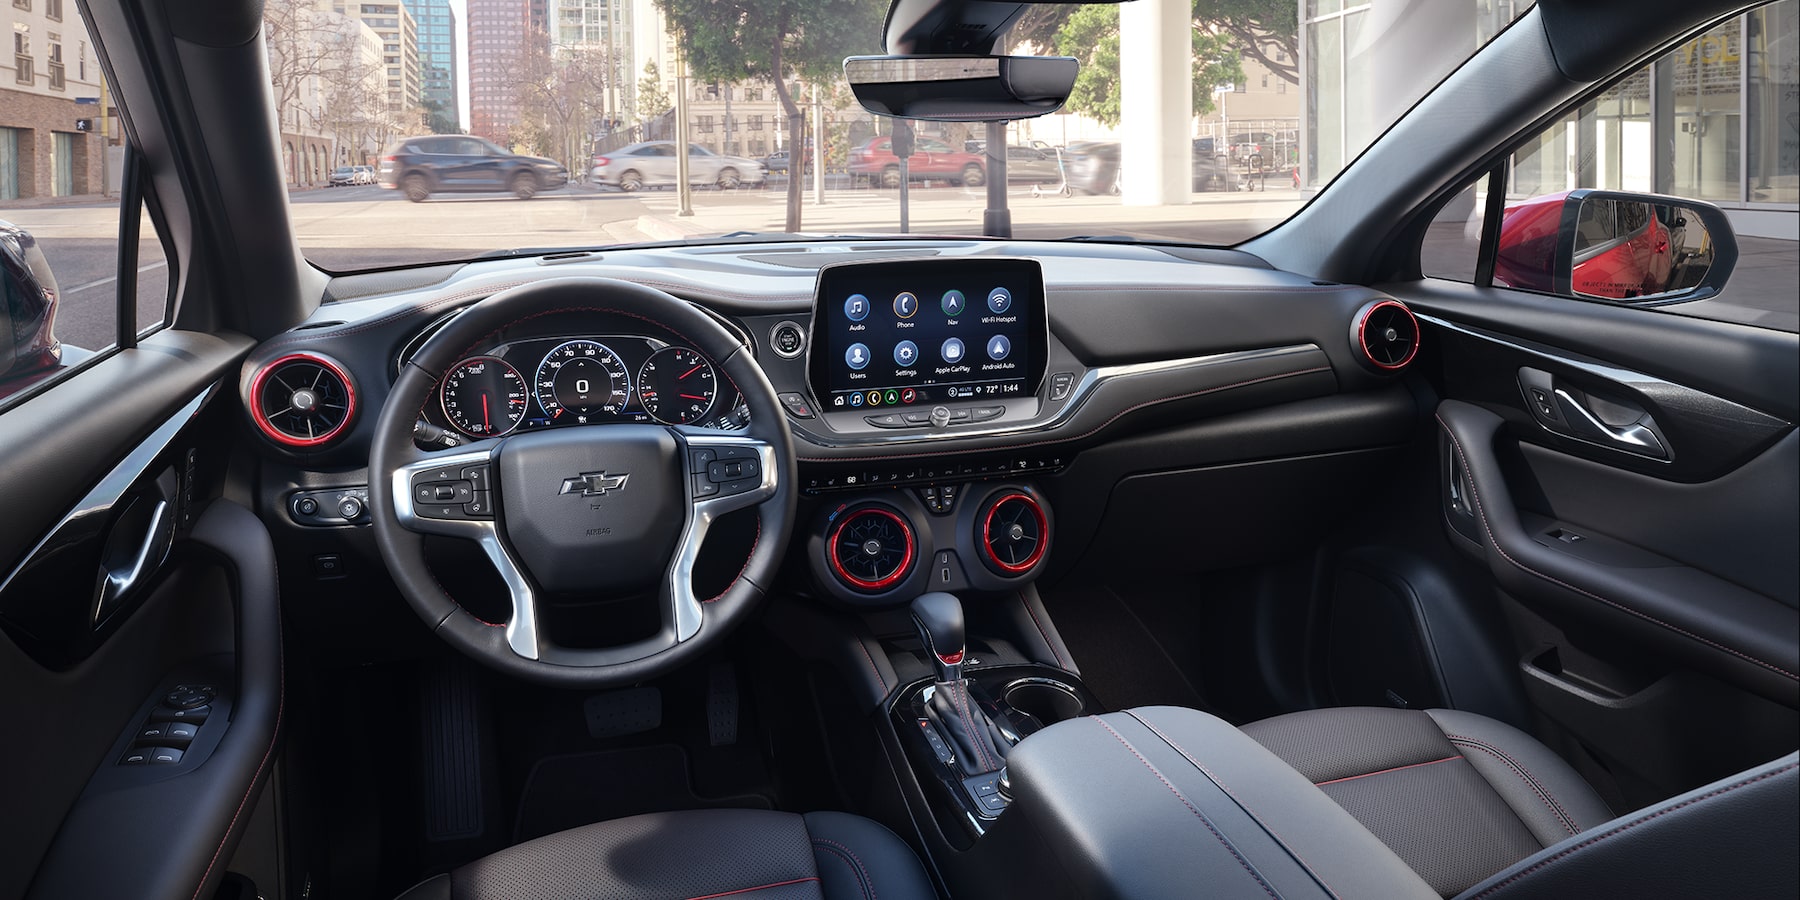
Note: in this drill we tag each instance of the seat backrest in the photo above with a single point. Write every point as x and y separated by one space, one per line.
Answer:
1732 838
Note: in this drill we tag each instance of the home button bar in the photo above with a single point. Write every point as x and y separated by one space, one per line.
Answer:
939 416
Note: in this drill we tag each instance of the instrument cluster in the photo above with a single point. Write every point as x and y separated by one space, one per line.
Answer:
548 382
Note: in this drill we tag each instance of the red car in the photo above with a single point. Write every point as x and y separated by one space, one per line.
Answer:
874 159
1622 249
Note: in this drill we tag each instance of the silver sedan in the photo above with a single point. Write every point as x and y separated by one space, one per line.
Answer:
652 164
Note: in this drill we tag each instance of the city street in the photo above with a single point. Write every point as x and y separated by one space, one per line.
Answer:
352 228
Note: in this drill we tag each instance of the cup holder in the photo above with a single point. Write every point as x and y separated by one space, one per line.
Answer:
1047 701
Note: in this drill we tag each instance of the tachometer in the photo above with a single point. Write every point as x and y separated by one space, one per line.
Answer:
580 379
484 397
677 385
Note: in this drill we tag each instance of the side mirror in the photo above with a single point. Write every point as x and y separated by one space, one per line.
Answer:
961 88
1618 246
27 305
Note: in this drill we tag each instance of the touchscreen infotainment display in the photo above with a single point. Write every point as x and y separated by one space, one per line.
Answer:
927 331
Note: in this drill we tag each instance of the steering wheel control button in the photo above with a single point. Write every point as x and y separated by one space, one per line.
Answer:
700 459
480 507
439 511
733 470
1060 385
796 405
856 308
788 339
705 487
479 477
857 357
444 492
999 300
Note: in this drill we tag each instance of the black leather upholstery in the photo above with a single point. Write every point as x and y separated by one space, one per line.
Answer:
700 854
1457 796
1731 838
1165 802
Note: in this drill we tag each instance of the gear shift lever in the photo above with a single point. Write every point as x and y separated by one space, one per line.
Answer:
939 618
978 746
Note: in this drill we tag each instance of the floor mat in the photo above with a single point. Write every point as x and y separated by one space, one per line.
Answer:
581 788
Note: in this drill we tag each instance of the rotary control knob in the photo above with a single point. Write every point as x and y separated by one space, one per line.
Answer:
350 508
940 417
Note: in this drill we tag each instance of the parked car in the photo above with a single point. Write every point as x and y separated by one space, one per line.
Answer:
457 163
1093 166
1031 165
342 176
874 160
653 163
777 162
364 174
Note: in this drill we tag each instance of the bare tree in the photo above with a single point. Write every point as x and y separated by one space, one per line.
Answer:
304 48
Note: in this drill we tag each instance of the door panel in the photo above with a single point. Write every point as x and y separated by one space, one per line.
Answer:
127 572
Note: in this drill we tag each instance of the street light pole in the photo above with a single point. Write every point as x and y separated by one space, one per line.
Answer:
818 153
684 194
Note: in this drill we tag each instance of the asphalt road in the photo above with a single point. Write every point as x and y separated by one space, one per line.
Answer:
347 229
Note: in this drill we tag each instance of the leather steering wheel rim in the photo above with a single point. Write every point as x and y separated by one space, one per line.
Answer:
394 452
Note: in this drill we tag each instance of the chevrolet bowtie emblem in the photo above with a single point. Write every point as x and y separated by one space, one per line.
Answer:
594 484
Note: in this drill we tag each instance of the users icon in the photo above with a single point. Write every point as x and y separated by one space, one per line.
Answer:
857 356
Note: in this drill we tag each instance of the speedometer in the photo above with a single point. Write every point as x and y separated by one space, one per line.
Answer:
580 379
676 385
484 397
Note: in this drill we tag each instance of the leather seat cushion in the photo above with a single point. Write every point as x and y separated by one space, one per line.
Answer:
753 854
1456 795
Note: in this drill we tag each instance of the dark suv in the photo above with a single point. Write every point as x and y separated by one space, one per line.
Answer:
457 163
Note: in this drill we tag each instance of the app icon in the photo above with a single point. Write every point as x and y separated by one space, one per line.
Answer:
857 356
998 346
892 397
856 308
905 304
999 300
838 400
954 303
856 399
908 395
874 398
906 353
952 350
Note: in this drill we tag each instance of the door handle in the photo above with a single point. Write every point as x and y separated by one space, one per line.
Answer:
1632 437
136 546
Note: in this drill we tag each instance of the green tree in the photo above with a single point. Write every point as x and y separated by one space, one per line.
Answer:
781 41
1266 30
1091 34
652 100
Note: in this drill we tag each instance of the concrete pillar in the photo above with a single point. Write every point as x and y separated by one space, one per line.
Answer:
1156 88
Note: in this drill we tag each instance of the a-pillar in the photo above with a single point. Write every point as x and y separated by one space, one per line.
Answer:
1156 101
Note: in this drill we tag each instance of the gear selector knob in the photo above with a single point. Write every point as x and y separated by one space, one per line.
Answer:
939 618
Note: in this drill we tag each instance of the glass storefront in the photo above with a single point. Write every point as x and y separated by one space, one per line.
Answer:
1717 118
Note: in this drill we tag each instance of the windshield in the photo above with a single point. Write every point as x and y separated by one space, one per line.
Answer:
571 114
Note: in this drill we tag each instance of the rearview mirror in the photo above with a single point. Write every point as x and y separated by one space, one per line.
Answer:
27 305
961 88
1618 246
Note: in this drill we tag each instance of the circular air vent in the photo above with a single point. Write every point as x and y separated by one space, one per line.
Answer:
871 549
302 400
1014 534
1386 334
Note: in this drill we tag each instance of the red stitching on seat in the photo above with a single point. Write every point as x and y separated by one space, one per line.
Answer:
1193 809
1093 431
1628 826
1482 511
1234 797
1556 809
760 887
863 878
1385 771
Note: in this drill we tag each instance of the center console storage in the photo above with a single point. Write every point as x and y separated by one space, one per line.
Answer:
1167 802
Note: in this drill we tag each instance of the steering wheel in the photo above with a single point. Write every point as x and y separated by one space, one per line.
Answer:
598 511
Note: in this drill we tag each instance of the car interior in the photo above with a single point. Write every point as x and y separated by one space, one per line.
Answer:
901 566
